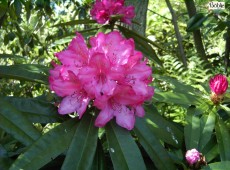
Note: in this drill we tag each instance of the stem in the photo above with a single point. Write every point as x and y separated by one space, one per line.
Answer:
227 51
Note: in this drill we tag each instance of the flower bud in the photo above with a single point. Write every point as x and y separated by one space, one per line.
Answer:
192 156
218 85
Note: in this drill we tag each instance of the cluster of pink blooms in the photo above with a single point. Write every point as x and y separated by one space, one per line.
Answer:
111 74
192 156
103 10
218 84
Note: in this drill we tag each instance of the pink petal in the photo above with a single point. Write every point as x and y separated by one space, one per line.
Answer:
125 118
76 102
140 112
104 117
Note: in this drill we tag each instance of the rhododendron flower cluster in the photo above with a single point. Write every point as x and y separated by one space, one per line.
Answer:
103 10
218 85
192 156
111 74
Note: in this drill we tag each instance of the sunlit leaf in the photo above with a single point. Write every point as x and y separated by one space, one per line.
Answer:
176 98
192 130
207 127
163 129
152 146
28 72
37 111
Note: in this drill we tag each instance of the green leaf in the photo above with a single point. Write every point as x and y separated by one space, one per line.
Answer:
182 99
217 166
211 150
3 7
99 162
178 86
46 148
16 124
123 150
227 109
207 125
28 72
142 44
76 22
11 56
152 146
196 21
192 130
83 145
223 139
37 111
162 128
18 7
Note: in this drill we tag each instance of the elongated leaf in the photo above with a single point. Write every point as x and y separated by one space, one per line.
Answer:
11 56
152 146
164 130
176 98
227 109
35 110
99 162
178 85
223 139
122 148
142 44
196 22
83 145
28 72
207 126
192 130
16 124
218 166
141 37
46 148
75 22
212 153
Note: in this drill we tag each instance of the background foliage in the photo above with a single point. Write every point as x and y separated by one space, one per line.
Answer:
179 117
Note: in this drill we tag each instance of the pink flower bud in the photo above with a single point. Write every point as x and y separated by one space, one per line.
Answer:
218 84
192 156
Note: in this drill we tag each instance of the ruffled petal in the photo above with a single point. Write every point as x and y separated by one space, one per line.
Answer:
125 118
139 110
74 103
104 117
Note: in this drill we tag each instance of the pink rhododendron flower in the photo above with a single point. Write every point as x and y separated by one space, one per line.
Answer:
218 84
111 73
192 156
104 9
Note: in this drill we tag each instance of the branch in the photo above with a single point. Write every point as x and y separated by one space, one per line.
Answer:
191 8
178 35
227 51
